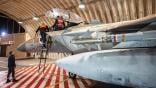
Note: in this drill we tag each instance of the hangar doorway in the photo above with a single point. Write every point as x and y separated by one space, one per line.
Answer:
3 50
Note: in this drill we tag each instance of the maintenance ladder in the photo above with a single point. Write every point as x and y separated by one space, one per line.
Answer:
44 54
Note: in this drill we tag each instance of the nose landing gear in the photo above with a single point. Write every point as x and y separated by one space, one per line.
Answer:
72 75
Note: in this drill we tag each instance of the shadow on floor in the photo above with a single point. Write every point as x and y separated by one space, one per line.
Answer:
105 85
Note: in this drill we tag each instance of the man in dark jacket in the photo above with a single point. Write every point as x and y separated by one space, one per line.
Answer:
11 67
43 28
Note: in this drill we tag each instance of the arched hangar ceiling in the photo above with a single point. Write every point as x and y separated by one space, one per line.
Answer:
106 11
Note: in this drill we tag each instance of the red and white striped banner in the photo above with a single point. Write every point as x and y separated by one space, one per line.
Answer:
52 77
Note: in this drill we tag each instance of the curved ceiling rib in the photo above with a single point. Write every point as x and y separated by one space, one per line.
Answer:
107 11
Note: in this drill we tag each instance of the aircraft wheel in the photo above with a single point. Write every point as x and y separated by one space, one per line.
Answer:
72 75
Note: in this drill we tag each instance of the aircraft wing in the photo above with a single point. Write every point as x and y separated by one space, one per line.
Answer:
55 33
58 47
77 33
133 25
136 44
118 27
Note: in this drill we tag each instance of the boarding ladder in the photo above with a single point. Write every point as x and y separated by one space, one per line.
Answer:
44 54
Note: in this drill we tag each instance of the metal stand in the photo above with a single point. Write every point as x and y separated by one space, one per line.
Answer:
44 57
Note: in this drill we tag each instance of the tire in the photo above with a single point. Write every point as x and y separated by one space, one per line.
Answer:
72 75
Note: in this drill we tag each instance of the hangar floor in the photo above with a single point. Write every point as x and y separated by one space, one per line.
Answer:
29 76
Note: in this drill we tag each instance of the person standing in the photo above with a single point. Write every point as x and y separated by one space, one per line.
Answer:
11 67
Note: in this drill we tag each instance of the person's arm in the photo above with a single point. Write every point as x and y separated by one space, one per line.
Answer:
14 61
47 29
9 62
37 29
64 24
55 23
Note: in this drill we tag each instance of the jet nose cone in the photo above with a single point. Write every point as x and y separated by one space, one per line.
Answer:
21 47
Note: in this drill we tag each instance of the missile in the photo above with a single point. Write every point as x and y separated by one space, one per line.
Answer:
138 36
86 41
127 67
129 40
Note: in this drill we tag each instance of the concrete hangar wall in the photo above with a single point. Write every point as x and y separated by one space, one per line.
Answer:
9 42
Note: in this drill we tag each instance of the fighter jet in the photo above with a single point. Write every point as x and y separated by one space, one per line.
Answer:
105 36
92 37
98 36
127 67
130 67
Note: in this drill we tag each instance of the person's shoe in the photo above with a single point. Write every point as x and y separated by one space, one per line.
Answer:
14 80
44 46
8 81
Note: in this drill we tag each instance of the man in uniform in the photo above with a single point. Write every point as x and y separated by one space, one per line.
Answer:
43 28
59 24
11 67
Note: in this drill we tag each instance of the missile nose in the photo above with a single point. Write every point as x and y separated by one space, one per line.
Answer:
21 47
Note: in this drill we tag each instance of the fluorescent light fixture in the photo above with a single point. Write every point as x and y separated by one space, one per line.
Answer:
55 14
3 33
20 22
35 18
81 6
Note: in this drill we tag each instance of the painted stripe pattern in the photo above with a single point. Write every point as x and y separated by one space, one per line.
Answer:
52 77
